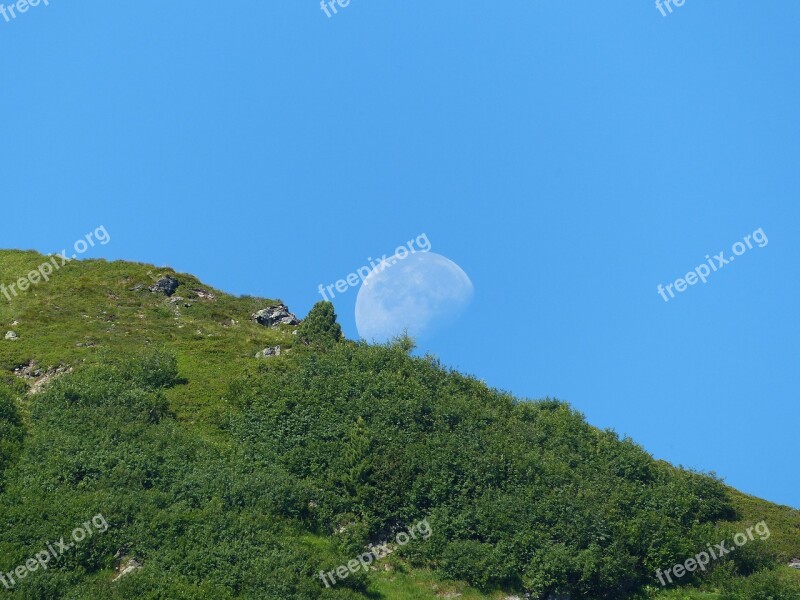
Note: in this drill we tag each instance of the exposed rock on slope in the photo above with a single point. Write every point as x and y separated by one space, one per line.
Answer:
274 316
269 351
166 285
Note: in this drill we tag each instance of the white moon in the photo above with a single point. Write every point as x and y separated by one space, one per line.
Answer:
418 293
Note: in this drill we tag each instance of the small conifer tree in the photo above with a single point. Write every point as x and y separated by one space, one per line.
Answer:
320 327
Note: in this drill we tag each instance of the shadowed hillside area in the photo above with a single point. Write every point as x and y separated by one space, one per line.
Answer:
212 447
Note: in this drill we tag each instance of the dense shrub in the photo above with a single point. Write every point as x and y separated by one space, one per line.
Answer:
763 585
518 493
11 431
328 451
204 522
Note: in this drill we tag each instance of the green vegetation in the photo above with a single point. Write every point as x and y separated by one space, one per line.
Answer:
228 476
11 432
320 327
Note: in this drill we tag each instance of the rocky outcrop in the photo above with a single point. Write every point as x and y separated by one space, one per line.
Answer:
127 565
175 300
203 294
795 563
165 285
269 351
38 377
29 371
274 316
12 336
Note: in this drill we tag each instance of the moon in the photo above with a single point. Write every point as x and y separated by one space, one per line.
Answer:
420 293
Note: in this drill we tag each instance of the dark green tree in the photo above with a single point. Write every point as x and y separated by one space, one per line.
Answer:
320 327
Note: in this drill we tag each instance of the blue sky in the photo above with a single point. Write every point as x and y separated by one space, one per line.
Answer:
569 158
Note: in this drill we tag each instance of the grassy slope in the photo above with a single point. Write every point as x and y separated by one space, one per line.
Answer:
90 307
783 521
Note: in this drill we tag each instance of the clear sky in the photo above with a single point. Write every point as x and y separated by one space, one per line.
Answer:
569 157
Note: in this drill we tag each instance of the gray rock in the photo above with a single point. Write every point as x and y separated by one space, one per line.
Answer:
274 316
37 377
795 563
269 351
29 371
165 285
127 565
12 335
203 294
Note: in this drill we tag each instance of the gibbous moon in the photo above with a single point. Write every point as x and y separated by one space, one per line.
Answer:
419 293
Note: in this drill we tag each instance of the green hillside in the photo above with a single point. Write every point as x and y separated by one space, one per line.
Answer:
218 474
